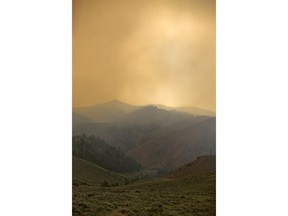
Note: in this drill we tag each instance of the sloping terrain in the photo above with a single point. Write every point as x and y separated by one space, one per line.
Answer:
155 146
195 195
84 171
137 127
153 116
96 150
123 136
195 111
116 110
80 119
157 137
202 164
174 148
106 112
120 138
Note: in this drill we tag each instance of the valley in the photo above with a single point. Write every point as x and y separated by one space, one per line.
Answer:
143 160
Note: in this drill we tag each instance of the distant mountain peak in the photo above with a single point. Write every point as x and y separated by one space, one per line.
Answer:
150 107
107 111
112 103
115 101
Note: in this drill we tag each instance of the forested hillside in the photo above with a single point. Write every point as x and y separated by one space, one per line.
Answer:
97 151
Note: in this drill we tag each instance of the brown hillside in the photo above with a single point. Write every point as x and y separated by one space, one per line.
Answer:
174 148
203 164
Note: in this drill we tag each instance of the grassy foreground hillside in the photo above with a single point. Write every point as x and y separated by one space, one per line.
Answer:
195 195
86 172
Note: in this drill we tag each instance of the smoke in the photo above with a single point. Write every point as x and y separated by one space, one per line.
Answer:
144 52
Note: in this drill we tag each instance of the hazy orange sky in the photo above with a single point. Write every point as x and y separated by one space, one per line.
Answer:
143 52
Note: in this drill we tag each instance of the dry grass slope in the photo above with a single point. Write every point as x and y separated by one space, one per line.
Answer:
84 171
203 164
195 195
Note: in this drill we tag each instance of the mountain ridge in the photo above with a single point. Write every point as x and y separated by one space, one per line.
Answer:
174 148
114 110
105 112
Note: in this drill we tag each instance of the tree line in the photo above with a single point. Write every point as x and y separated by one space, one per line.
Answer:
98 151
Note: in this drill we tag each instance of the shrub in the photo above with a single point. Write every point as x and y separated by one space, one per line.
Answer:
115 184
105 184
76 184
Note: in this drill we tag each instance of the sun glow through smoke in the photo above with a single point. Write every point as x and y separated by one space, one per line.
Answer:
148 52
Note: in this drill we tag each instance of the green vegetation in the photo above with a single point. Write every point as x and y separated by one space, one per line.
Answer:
96 150
107 182
85 172
195 195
